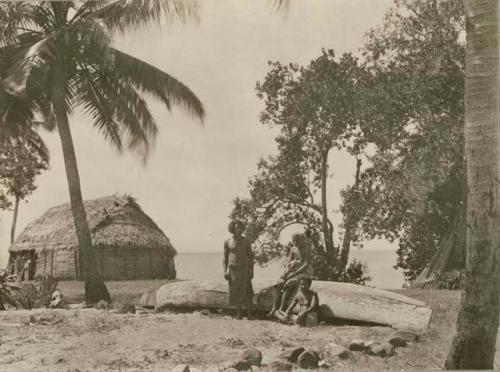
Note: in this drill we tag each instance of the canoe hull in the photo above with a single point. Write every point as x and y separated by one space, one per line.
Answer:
338 300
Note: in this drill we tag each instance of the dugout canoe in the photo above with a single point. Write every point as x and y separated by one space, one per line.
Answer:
337 301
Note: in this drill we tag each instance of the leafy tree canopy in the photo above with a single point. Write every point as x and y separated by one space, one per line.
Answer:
415 117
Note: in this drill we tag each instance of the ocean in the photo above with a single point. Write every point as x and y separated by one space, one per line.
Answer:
380 263
200 265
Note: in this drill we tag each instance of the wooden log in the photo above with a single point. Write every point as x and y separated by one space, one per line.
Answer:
337 300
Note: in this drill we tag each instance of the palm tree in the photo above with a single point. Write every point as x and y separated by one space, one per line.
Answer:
473 346
65 46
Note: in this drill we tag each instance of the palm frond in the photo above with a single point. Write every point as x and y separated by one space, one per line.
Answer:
123 15
94 103
117 108
20 71
161 85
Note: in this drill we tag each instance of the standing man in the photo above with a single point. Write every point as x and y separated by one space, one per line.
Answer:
238 265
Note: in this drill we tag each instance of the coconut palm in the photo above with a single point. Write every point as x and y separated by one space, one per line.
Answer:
65 47
474 344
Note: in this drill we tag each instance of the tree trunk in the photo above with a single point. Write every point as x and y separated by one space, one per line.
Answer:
473 346
326 226
14 221
95 288
350 225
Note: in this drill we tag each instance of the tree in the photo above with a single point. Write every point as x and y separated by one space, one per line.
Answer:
21 161
473 346
315 109
413 180
65 47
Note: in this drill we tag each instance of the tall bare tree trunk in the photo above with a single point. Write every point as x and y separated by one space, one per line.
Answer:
326 226
473 346
95 288
350 225
14 221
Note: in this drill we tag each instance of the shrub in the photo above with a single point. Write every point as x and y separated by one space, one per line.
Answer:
356 273
450 280
36 294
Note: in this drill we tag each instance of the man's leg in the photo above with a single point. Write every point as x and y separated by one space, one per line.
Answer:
287 293
276 300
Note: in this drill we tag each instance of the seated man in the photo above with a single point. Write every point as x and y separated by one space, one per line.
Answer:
298 267
308 302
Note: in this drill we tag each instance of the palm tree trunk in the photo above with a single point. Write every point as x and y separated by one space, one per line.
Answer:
95 288
473 346
350 225
14 221
327 230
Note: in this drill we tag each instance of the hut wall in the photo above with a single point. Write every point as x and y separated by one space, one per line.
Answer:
59 263
112 263
132 263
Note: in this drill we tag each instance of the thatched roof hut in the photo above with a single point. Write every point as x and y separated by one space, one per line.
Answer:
127 243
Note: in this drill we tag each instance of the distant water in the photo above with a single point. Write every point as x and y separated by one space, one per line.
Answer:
209 265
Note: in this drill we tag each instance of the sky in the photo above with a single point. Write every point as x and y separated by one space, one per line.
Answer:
195 170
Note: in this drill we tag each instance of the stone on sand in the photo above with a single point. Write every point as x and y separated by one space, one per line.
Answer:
253 356
308 359
292 354
181 368
383 350
333 350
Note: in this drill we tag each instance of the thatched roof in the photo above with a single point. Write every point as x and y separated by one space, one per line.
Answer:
116 221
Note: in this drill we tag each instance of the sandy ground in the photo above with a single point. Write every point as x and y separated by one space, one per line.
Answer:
95 340
98 340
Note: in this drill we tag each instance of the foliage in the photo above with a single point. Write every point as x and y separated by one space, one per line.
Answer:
21 161
414 116
36 294
315 109
36 38
356 272
451 280
8 289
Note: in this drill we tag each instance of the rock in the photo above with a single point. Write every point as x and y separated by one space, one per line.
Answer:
325 364
409 336
191 369
369 344
241 365
230 369
253 356
292 354
181 368
383 350
357 345
308 359
280 365
397 341
102 305
332 351
205 312
126 308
